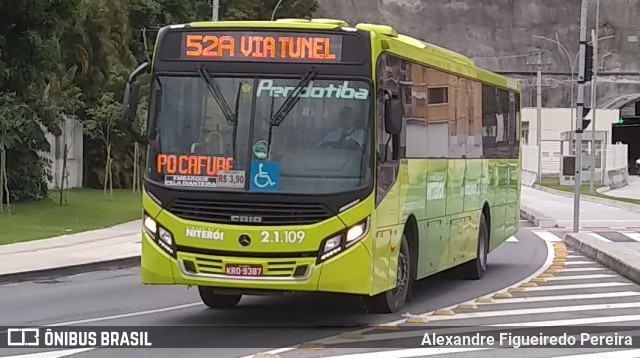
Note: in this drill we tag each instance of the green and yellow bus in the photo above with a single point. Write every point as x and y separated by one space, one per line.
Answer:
312 156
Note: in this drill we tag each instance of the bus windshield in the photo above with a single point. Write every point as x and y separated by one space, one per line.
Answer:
321 145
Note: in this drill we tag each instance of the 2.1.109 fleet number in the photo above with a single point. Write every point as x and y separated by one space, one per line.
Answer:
282 237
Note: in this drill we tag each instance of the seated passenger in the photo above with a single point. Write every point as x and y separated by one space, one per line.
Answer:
347 131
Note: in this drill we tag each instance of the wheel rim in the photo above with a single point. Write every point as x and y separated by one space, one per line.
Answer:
403 274
482 254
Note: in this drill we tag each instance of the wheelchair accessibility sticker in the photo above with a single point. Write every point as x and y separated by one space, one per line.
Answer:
264 176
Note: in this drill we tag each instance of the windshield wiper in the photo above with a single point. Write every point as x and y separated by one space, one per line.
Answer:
230 116
289 103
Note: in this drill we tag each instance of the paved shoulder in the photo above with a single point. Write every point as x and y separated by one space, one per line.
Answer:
631 191
560 208
574 295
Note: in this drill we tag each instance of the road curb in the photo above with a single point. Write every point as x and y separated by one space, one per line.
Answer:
536 218
115 264
592 199
617 259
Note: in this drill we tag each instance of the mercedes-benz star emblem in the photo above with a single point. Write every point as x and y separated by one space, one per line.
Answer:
244 240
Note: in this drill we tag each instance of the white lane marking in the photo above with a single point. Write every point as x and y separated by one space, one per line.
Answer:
632 235
618 227
585 296
513 239
52 354
580 277
273 351
547 236
579 263
119 316
583 269
547 263
411 352
578 286
125 315
488 328
575 257
573 321
527 311
599 237
627 353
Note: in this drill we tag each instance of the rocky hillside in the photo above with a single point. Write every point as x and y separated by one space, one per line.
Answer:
499 35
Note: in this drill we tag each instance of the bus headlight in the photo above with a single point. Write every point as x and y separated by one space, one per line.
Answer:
150 225
332 243
356 232
165 236
339 242
161 236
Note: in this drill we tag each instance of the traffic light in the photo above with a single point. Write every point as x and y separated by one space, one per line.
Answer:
585 122
588 63
620 120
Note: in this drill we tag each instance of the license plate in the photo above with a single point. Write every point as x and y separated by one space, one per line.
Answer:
243 270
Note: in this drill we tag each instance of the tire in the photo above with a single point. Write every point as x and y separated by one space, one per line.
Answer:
218 301
475 269
393 300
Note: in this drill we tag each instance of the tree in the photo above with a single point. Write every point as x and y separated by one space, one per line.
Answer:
66 99
102 124
12 120
29 42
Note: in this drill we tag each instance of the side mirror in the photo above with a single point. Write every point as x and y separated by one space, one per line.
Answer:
130 101
132 94
393 115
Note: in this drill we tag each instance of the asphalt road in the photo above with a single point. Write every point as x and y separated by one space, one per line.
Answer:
117 298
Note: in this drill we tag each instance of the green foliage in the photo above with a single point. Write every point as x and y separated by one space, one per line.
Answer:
29 53
73 57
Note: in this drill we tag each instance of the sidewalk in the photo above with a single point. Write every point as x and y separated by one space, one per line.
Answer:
622 257
631 191
110 247
556 210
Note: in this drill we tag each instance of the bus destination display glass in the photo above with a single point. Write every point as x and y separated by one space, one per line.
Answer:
258 47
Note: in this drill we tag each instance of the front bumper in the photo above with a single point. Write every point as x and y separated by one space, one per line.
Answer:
348 272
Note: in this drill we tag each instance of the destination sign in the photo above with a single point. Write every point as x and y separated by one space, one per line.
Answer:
261 47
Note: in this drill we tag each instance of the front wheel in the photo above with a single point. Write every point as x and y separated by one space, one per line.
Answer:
475 269
393 300
216 300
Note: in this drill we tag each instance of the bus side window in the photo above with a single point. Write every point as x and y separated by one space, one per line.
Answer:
387 154
385 145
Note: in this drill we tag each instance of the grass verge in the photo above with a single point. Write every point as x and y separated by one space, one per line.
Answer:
584 190
87 209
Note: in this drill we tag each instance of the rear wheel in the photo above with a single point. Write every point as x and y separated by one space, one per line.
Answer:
393 300
216 300
474 270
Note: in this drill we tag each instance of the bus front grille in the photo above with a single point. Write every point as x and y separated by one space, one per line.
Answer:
215 266
245 213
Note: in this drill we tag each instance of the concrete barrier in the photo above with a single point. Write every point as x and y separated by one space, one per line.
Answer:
622 258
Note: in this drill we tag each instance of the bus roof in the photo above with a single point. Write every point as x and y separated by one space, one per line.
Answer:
389 40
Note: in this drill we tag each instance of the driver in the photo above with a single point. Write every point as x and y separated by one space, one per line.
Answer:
347 128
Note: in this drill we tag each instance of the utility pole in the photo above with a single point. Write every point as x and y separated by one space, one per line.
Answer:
539 115
215 8
536 60
594 108
580 116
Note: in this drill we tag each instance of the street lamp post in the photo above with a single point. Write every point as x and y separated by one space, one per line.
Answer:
275 8
594 108
571 66
215 7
